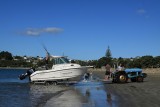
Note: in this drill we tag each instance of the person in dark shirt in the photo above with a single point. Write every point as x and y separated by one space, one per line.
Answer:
107 73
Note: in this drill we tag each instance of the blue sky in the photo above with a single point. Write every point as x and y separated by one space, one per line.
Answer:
80 29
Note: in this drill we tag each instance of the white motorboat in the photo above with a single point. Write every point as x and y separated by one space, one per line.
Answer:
62 69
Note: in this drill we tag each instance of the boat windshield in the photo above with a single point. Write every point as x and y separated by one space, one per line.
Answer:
61 60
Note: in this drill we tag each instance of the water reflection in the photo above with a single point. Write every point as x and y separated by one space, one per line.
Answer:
40 94
109 99
96 94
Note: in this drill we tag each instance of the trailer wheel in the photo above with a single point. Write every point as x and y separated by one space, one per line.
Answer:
55 83
139 79
46 83
32 82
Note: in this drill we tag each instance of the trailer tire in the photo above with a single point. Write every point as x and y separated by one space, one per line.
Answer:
46 83
55 83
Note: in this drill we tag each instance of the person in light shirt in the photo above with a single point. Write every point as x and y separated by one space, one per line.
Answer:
120 68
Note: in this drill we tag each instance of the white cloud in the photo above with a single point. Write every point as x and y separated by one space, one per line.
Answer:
40 31
32 33
141 11
52 30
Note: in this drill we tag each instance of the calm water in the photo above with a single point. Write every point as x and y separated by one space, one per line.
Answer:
20 93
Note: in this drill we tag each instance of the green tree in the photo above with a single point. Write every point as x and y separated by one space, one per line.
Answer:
101 62
120 60
137 63
18 57
108 56
108 53
157 61
5 55
146 61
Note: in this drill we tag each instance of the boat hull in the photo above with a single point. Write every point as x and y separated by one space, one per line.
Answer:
55 75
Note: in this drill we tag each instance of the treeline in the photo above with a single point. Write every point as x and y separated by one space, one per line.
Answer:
138 62
12 63
7 60
148 61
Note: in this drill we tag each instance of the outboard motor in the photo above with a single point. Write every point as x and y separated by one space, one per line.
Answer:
28 73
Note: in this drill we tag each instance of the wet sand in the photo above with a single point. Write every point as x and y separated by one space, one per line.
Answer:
131 94
68 98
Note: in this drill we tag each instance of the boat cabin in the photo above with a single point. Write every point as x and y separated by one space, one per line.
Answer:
60 60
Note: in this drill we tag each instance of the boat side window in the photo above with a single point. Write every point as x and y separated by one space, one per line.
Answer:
61 60
66 60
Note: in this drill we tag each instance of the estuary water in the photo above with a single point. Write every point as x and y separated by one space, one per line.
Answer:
21 93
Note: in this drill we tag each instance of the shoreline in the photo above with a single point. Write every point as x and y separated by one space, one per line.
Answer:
14 68
132 94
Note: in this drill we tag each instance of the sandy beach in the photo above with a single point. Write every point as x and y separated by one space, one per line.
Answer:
131 94
144 94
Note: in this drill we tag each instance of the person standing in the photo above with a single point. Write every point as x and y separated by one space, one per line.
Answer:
119 67
107 73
